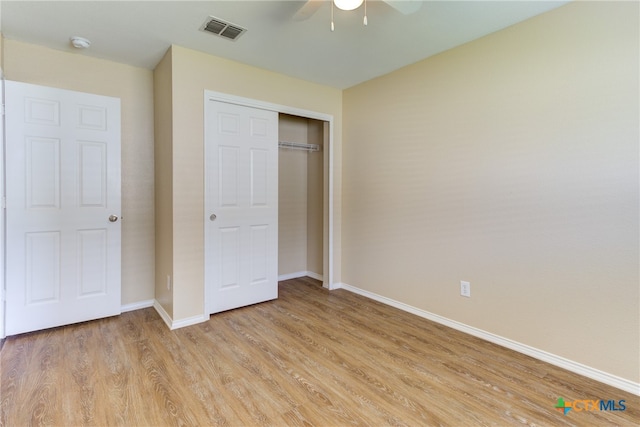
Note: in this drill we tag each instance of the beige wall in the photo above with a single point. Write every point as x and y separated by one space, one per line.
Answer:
193 73
38 65
300 198
315 202
163 129
510 162
292 197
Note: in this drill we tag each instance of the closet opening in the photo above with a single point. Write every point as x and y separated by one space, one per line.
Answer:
303 211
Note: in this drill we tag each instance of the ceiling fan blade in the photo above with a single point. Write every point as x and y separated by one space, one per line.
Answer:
308 8
405 7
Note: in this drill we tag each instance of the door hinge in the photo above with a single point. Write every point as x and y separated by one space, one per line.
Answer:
4 202
2 109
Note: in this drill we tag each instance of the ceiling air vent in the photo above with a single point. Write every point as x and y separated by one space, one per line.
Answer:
221 28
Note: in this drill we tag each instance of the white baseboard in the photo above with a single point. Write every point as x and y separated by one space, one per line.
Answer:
194 320
578 368
176 324
163 314
316 276
136 306
300 274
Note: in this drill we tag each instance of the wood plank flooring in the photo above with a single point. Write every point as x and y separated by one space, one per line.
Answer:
309 358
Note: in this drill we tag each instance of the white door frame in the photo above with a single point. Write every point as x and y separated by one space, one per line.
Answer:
2 211
210 95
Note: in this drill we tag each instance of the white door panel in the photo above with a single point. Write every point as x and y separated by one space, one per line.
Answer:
241 173
63 183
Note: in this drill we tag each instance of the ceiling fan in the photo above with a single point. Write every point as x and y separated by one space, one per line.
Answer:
311 6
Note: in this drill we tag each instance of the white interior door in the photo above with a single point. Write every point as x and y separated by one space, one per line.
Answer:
63 207
241 206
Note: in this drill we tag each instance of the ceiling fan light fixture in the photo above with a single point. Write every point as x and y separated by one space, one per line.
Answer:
348 4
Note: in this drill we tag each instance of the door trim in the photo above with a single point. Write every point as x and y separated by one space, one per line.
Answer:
2 215
210 95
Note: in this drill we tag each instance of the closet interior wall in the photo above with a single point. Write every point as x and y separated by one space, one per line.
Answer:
300 199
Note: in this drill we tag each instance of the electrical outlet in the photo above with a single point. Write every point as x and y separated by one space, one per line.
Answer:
168 282
465 289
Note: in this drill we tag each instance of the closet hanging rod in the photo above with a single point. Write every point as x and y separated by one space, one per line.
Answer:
298 146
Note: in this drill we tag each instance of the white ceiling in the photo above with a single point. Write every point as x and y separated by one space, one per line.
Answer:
139 32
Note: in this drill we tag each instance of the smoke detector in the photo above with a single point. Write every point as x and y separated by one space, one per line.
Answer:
80 42
222 28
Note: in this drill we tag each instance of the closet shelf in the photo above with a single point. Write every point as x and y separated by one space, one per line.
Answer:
298 146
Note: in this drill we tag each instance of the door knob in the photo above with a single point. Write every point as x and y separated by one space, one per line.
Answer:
212 217
113 218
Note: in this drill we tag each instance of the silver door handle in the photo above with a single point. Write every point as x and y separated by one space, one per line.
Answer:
212 217
113 218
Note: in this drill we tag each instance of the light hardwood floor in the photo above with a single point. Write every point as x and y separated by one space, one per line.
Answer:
309 358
